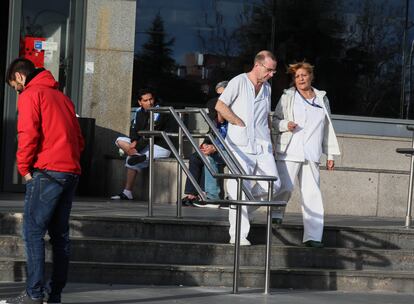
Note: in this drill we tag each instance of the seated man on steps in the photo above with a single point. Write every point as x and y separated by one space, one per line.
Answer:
196 166
136 147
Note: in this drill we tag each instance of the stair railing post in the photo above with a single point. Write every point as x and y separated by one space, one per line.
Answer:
268 240
179 170
410 190
151 166
237 238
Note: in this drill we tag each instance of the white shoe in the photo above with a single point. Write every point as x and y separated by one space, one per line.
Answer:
243 242
121 197
202 205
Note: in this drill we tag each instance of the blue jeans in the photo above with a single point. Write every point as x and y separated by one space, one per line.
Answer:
47 206
207 182
211 184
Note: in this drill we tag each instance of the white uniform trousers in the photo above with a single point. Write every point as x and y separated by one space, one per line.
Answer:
253 164
309 183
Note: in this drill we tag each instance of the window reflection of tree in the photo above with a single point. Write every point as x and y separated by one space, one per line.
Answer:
294 30
373 58
230 45
154 67
214 37
355 48
31 26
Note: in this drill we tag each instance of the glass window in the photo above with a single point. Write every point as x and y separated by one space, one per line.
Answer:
44 36
184 47
356 48
4 26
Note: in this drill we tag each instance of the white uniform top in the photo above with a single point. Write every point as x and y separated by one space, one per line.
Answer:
306 143
239 95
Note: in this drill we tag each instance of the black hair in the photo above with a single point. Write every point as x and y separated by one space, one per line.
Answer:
19 65
145 91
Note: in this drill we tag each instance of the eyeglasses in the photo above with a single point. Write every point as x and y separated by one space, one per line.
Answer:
268 69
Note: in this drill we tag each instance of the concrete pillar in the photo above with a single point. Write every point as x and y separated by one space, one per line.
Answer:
109 54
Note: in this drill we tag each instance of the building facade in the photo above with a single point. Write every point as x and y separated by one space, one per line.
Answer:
103 51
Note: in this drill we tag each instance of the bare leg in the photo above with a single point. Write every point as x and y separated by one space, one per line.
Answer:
130 181
126 147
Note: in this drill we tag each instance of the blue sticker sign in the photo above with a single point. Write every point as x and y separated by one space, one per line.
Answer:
38 45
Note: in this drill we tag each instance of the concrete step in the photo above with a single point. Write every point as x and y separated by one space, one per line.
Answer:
186 253
217 232
157 274
188 230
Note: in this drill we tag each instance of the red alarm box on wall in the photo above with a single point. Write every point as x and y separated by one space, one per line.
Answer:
32 49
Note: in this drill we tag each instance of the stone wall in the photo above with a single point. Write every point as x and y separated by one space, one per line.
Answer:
109 54
371 179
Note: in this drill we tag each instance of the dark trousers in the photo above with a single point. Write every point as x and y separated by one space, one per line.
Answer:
195 166
47 206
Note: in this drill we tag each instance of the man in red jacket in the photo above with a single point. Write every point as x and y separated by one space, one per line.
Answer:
48 154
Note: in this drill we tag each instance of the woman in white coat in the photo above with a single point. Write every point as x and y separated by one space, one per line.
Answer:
304 131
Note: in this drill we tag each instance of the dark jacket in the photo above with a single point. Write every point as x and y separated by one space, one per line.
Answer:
141 123
49 136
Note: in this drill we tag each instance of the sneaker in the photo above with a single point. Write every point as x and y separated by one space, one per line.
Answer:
136 159
277 215
243 242
313 244
202 204
121 196
186 202
22 299
277 221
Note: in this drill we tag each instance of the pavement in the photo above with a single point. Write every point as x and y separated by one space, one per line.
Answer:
130 294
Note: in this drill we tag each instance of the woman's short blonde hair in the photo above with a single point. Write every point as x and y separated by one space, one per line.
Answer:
292 69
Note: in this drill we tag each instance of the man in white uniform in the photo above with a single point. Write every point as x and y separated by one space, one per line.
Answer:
245 104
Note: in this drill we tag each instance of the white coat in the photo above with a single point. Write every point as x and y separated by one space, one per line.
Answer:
284 113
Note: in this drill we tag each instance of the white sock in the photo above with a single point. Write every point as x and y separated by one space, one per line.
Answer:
128 193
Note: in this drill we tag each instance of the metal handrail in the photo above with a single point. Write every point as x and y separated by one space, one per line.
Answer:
229 159
234 166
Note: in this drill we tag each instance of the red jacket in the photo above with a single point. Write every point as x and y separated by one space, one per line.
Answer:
49 136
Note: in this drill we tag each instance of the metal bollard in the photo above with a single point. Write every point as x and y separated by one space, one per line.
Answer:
151 166
237 239
410 195
179 170
410 185
268 240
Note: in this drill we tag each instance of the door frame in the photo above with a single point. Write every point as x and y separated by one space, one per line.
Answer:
10 180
